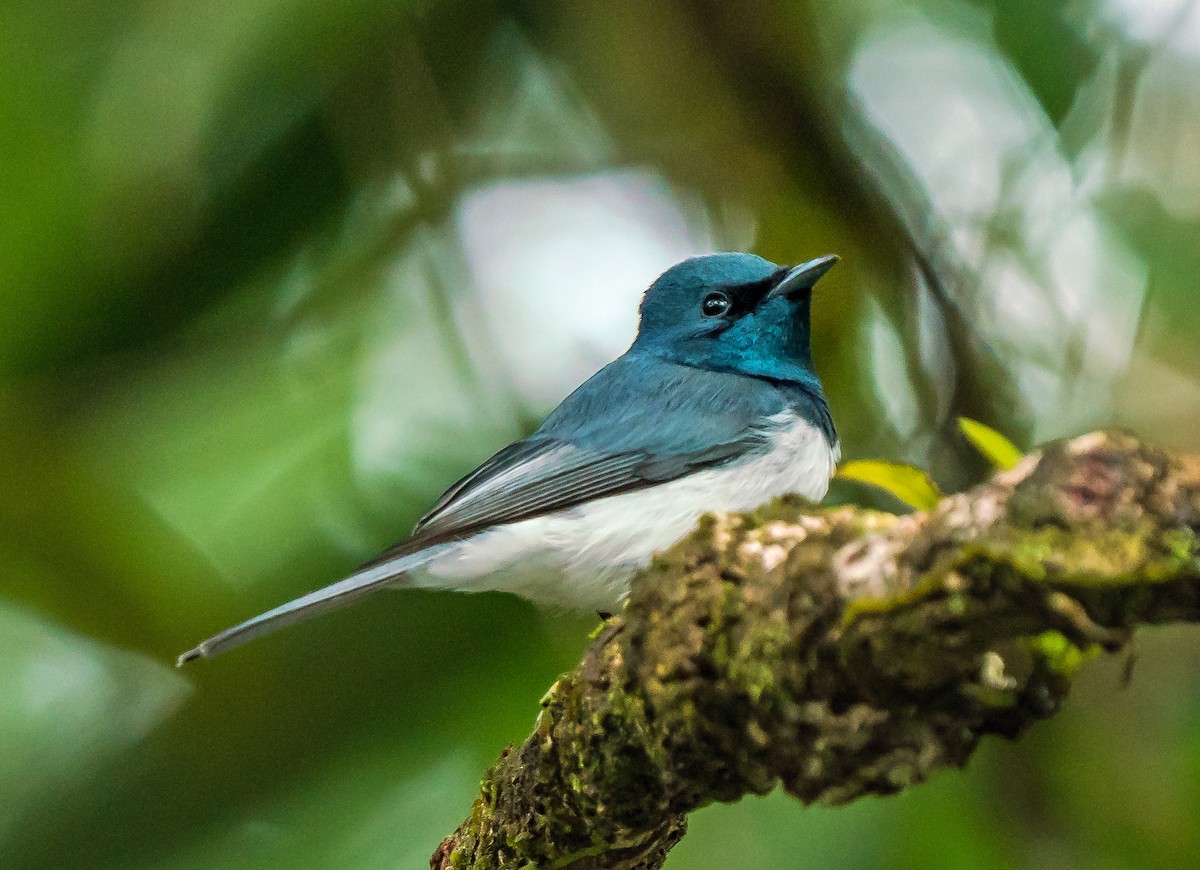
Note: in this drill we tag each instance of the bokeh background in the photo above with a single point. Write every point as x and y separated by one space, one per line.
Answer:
275 272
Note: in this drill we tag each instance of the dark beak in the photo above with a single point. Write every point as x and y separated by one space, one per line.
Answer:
801 279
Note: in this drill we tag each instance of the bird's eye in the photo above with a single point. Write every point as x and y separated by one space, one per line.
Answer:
715 304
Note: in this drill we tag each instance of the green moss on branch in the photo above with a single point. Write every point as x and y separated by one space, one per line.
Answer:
840 652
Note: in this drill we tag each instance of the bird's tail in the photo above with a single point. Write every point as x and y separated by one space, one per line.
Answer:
370 578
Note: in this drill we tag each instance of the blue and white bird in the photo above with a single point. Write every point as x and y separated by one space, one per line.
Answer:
714 407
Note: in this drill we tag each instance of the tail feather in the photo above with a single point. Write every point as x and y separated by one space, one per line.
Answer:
370 578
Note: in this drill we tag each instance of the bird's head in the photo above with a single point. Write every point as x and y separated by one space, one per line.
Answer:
733 312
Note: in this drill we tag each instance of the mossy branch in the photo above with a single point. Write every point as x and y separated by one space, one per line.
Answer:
840 652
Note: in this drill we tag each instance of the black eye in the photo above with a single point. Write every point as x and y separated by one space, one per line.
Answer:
715 304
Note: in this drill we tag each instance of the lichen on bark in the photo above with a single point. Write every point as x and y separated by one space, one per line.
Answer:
840 652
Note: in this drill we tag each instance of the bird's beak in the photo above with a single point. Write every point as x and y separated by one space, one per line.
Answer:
803 277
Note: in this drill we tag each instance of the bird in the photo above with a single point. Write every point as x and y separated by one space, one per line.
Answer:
715 406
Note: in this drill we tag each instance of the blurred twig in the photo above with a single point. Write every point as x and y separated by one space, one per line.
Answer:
841 652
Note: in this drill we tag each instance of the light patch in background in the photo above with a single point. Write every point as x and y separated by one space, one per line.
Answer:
419 402
979 177
1173 25
938 364
1161 401
1163 135
70 706
557 267
890 366
1135 122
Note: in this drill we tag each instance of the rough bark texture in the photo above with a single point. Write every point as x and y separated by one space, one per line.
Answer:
840 652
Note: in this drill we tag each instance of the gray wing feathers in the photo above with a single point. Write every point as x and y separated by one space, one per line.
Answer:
554 477
539 476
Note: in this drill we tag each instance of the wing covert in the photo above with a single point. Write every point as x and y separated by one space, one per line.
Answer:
549 475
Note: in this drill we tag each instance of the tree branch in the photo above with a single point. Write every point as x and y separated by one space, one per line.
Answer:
840 652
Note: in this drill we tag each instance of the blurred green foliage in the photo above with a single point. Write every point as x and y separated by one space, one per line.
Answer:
275 272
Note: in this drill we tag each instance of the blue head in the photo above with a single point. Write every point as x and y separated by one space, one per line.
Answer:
736 313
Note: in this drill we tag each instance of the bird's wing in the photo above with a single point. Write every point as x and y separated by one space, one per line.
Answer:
541 475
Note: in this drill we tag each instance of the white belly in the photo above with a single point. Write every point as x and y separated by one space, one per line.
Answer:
584 557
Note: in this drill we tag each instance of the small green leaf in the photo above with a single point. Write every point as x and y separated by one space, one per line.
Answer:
996 449
909 484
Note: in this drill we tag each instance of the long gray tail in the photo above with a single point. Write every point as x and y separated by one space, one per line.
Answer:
369 579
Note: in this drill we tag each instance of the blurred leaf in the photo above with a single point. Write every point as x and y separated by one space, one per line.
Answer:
996 449
906 482
70 705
